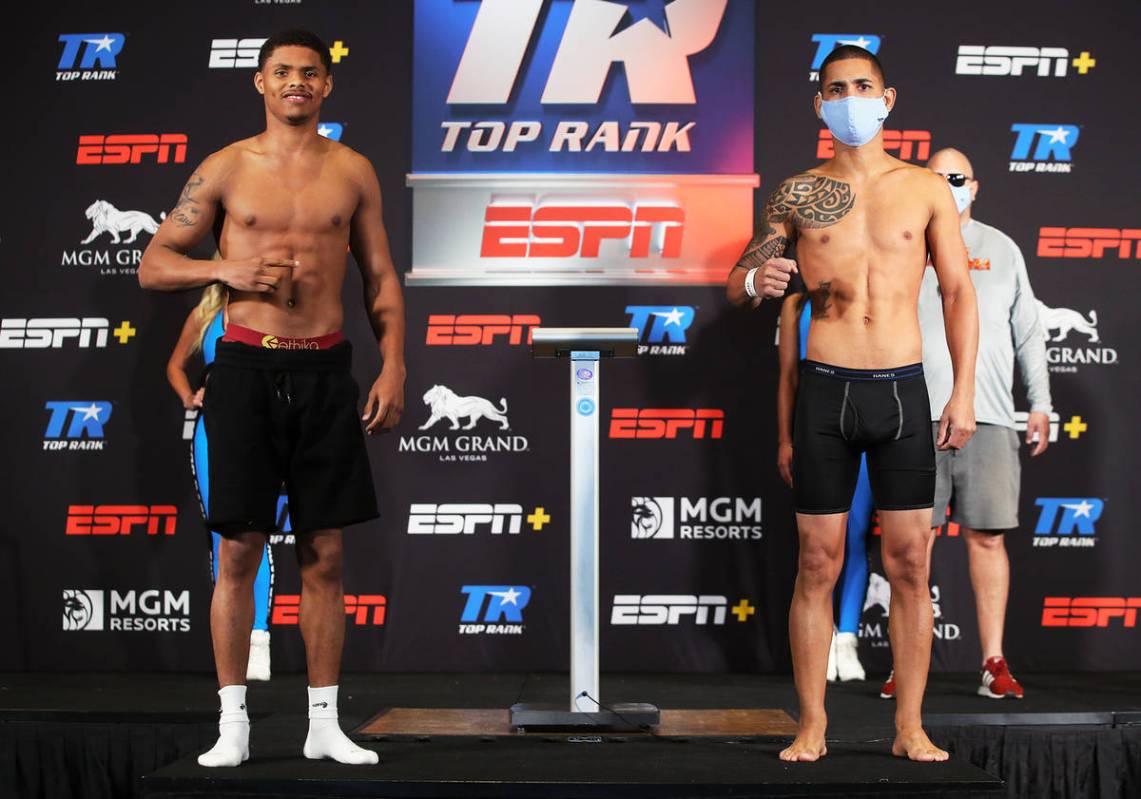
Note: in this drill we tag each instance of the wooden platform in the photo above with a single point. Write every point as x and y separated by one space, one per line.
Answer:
715 723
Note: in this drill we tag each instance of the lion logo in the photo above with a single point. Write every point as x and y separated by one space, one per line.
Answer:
879 593
106 218
647 517
447 404
1064 320
78 610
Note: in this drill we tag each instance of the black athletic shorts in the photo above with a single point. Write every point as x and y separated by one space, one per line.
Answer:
841 413
285 416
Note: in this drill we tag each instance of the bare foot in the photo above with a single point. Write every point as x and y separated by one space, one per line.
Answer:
808 746
917 746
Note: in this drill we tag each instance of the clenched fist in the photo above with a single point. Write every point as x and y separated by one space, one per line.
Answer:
772 279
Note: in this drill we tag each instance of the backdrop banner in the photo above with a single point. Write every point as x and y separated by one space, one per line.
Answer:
549 162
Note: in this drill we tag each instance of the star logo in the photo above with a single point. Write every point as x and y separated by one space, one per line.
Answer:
89 412
1080 509
672 318
508 597
104 43
1059 134
652 10
324 130
861 42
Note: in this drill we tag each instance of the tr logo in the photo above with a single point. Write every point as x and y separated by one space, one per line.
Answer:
656 63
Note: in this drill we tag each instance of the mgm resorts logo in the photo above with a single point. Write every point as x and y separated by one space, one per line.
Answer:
126 611
463 414
719 518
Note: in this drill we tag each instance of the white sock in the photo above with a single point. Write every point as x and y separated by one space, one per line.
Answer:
325 739
233 746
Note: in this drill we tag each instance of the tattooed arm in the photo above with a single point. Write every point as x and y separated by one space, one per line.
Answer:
165 264
765 250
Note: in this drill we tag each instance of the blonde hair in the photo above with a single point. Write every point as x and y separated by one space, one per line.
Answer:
213 301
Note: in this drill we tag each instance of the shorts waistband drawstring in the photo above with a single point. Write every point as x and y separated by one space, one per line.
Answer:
283 386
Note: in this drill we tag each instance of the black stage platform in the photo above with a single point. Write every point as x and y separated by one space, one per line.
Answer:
110 735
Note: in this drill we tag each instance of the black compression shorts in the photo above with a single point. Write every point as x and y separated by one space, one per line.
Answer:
287 416
841 413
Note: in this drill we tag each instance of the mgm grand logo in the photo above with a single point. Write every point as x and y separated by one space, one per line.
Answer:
464 438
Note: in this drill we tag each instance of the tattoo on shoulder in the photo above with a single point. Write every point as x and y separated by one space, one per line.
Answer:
810 201
187 212
821 299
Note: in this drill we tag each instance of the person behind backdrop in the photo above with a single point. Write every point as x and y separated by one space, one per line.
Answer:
981 480
843 655
200 333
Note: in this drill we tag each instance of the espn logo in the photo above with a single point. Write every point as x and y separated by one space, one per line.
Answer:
456 518
524 230
910 144
1087 242
363 609
121 519
234 53
479 330
974 59
1089 611
130 148
666 422
34 334
668 609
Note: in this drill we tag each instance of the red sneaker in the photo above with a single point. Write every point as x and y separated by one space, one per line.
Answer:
888 690
997 682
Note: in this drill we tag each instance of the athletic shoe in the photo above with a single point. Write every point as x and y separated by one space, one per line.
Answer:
997 682
847 657
258 666
888 690
832 658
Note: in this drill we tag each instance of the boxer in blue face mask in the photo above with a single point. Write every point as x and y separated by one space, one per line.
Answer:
863 223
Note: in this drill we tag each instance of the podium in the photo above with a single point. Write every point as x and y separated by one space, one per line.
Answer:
584 347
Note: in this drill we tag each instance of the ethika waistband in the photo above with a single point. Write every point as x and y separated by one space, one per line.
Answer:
255 338
842 373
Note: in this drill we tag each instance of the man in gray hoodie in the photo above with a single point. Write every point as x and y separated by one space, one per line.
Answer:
981 480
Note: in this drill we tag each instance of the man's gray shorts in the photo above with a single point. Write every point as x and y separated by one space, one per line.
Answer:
979 481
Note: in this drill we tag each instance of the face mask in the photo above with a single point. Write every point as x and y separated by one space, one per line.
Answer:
962 195
854 120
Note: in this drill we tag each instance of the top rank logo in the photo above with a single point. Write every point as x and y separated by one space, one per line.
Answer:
1051 145
827 42
1006 61
629 67
1063 516
93 54
659 324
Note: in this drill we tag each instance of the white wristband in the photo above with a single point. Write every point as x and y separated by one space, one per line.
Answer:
750 289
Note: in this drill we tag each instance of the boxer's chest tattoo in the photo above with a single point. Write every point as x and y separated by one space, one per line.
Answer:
811 201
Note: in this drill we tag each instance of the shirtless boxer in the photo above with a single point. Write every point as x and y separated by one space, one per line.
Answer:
863 223
280 403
